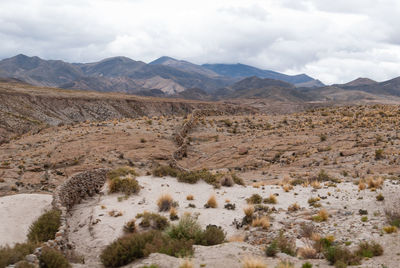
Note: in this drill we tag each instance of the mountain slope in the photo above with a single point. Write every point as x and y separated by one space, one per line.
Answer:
37 71
242 70
255 87
390 87
183 65
119 74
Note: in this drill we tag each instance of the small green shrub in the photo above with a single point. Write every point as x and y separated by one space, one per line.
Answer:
237 179
45 227
379 154
126 249
307 265
337 255
172 247
212 235
194 176
187 228
323 176
272 249
296 182
130 226
24 264
51 258
191 177
380 197
11 255
282 244
286 245
270 200
152 220
163 171
127 186
254 199
138 245
369 250
121 172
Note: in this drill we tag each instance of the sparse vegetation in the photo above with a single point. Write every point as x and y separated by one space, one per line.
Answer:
237 179
130 226
138 245
390 229
262 222
270 200
126 185
252 262
254 199
51 258
121 172
188 177
322 215
249 211
152 220
165 202
186 263
45 227
379 154
285 264
294 207
11 255
282 244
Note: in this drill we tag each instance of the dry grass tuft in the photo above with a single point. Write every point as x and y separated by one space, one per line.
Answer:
249 211
253 262
316 184
375 183
307 253
294 207
165 202
186 263
261 222
237 238
390 229
271 199
285 264
287 187
361 185
211 202
322 215
173 214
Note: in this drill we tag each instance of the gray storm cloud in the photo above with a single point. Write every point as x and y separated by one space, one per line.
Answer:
334 41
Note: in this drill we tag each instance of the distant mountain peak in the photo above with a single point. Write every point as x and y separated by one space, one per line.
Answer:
118 59
361 81
166 60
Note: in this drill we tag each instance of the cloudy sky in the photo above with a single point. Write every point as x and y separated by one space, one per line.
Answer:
334 41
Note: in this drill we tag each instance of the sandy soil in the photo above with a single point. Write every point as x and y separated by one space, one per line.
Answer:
92 228
17 214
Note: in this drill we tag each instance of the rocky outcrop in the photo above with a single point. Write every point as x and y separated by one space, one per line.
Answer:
80 186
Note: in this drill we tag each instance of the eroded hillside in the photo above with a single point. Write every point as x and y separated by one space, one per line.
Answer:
26 108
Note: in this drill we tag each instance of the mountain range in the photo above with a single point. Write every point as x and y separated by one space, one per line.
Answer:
123 74
169 77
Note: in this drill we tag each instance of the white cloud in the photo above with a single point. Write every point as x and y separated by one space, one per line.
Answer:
334 41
